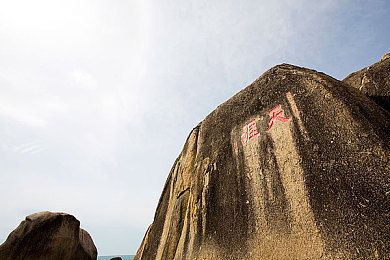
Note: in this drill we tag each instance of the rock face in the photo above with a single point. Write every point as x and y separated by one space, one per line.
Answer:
47 236
386 56
374 81
295 166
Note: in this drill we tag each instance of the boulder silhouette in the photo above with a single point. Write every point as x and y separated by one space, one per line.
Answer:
295 166
48 236
374 81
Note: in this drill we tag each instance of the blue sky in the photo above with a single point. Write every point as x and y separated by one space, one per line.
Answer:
97 97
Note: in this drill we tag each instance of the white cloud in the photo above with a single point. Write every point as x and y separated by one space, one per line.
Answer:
84 79
23 116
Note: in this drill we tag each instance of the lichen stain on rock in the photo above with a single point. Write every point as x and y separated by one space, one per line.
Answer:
303 227
278 195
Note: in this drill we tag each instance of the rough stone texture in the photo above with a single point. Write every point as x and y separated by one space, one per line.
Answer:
314 187
386 56
374 81
47 236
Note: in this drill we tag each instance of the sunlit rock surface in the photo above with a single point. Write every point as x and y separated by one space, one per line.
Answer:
48 236
295 166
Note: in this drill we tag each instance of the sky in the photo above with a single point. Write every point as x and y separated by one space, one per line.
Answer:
97 97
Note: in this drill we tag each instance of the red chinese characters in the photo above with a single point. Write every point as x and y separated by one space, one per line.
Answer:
275 115
249 131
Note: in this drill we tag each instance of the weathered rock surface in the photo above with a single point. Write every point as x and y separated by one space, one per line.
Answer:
374 81
314 186
47 236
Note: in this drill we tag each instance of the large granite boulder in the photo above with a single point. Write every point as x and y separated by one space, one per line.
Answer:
295 166
374 81
47 236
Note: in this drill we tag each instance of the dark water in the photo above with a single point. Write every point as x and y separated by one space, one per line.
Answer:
108 257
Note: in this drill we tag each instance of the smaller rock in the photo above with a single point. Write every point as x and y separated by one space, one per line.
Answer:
374 81
116 258
48 235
